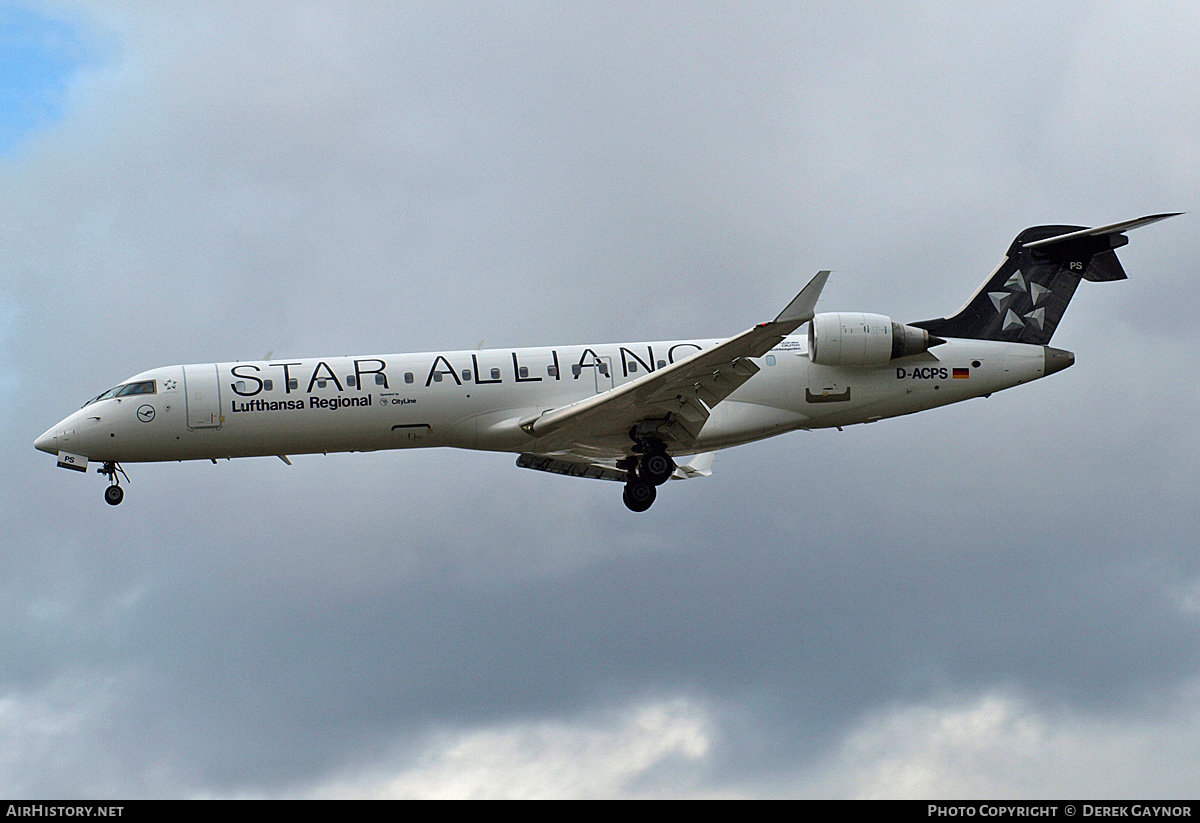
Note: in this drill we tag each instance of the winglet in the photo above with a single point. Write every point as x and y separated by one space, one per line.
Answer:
803 305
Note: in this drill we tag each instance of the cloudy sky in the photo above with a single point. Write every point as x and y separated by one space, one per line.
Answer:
1000 598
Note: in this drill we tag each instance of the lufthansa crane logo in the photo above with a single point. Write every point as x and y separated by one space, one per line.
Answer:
145 413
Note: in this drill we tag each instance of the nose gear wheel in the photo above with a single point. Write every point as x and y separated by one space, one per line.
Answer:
114 494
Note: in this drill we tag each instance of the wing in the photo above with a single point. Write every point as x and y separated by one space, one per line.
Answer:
673 402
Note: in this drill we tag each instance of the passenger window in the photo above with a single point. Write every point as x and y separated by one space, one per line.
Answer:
437 377
524 371
293 384
575 369
495 374
380 380
662 364
603 368
350 380
770 360
408 377
240 386
633 367
268 385
552 371
321 384
466 375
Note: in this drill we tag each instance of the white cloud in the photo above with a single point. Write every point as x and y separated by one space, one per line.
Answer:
652 749
996 744
1000 745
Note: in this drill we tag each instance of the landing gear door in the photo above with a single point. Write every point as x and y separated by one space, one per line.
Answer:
202 396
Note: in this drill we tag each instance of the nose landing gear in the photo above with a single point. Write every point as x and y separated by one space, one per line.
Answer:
114 494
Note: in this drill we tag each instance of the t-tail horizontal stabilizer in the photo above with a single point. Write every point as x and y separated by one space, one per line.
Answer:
1025 298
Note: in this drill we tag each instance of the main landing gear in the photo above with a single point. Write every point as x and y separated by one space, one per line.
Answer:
639 495
647 471
114 494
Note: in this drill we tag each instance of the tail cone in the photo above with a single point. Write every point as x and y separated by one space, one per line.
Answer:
1057 359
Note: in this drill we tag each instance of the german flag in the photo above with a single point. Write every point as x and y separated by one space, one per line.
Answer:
962 374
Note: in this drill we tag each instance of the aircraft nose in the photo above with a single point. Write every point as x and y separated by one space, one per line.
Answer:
48 442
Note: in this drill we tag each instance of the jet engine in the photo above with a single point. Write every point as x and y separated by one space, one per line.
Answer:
861 340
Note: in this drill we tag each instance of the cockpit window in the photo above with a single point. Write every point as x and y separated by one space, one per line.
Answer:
124 390
110 393
145 387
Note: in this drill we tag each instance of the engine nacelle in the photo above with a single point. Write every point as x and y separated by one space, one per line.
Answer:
857 339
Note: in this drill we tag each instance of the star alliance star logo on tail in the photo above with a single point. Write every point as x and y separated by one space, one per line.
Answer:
1016 285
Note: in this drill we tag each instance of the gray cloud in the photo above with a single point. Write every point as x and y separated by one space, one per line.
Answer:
236 179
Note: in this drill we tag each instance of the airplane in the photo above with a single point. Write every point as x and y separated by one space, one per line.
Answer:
638 414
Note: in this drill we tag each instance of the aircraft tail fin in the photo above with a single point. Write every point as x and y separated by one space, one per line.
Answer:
1025 298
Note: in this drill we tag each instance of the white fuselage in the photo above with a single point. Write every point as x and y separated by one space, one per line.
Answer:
476 399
